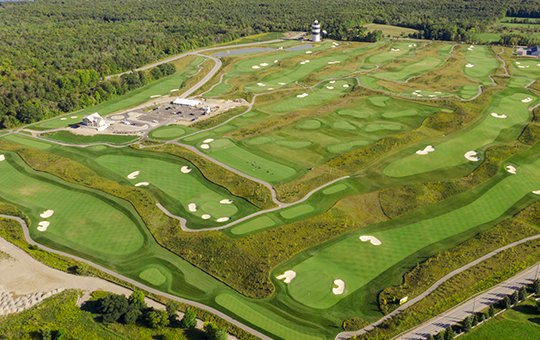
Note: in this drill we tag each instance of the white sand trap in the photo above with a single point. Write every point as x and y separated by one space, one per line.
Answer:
395 49
226 201
263 64
63 118
2 158
469 65
222 219
192 207
496 115
438 92
345 85
282 84
303 95
276 61
206 217
521 66
185 169
536 192
261 84
432 96
208 141
142 184
270 89
73 117
173 90
255 67
334 46
426 150
280 48
43 225
472 156
332 81
511 169
46 213
309 52
518 63
330 87
205 146
134 174
339 287
527 100
372 239
155 96
287 276
333 62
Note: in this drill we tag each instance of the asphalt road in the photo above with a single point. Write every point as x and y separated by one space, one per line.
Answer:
476 304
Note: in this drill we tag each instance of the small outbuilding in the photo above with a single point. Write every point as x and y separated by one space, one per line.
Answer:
96 121
187 102
532 51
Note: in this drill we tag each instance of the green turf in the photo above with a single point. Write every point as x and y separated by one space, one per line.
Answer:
520 322
297 211
256 224
131 99
357 263
527 68
484 61
168 132
449 151
68 137
153 276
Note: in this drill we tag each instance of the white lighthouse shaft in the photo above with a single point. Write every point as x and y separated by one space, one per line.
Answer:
316 31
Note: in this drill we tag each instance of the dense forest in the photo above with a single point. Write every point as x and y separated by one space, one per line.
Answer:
53 54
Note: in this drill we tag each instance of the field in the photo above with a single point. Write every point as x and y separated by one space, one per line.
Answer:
520 322
280 214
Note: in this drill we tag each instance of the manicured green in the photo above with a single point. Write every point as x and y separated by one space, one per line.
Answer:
68 137
168 132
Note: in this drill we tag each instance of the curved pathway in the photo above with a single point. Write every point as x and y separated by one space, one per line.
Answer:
346 335
135 283
245 218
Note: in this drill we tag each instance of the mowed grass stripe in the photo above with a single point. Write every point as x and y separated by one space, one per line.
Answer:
357 263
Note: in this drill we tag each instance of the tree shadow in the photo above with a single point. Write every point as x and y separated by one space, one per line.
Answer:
526 309
195 334
535 320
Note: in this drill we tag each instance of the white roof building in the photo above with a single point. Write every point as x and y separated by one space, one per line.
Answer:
186 102
96 121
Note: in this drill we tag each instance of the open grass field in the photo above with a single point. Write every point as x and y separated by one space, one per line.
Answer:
520 322
386 116
391 31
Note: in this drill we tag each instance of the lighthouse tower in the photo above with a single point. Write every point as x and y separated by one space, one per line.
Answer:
316 31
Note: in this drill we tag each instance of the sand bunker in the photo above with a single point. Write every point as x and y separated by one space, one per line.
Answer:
226 201
412 45
276 61
395 49
63 118
282 84
261 84
339 287
270 89
185 169
426 150
333 62
142 184
536 192
304 62
472 156
330 87
496 115
222 219
208 141
469 65
46 213
174 90
2 158
372 239
206 217
309 52
511 169
205 146
527 100
133 175
43 225
302 95
287 276
255 67
263 64
192 207
155 96
345 85
332 81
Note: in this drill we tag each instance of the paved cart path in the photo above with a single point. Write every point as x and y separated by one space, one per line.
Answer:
123 278
476 304
346 335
